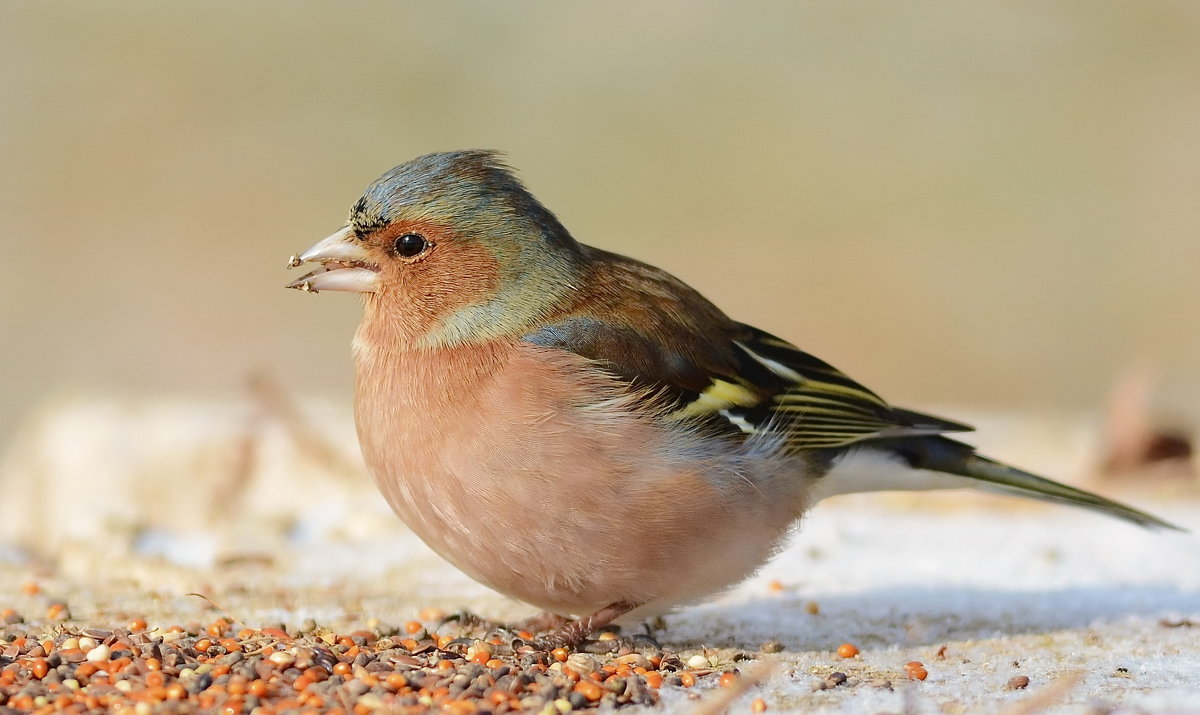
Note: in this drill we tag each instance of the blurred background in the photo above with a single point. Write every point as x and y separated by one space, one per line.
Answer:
992 206
984 210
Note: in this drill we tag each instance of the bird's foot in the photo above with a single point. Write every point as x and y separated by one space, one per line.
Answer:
573 633
620 644
468 620
540 623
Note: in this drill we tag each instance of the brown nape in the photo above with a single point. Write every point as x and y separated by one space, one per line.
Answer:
656 330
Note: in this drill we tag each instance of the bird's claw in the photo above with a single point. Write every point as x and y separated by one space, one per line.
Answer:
466 619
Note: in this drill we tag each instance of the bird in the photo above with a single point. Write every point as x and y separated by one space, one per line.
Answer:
561 422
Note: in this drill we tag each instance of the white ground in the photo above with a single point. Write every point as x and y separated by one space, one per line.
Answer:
1043 593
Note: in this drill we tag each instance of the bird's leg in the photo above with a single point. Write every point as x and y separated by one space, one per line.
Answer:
467 619
575 631
542 622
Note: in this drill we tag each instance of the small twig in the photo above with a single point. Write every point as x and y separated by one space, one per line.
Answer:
228 616
720 700
275 402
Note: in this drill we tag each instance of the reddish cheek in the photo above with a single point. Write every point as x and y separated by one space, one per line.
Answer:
454 275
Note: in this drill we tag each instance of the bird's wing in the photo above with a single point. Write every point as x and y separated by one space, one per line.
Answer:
818 406
679 348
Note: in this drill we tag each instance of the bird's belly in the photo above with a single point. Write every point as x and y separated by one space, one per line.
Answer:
565 497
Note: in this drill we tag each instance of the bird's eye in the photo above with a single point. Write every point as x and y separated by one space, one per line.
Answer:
410 245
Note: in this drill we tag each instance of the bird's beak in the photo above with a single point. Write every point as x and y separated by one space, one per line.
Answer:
344 266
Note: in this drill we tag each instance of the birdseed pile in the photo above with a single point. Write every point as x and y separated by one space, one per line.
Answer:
219 667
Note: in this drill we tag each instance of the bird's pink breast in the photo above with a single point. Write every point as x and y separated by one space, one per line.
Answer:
531 471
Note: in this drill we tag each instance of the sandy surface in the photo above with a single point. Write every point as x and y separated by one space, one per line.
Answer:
979 596
1096 614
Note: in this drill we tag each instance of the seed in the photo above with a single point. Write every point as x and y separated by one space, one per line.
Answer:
590 689
634 660
758 705
371 701
847 650
1020 682
687 679
459 707
559 654
728 679
812 608
431 614
479 652
697 662
582 663
99 654
39 668
282 658
915 670
395 681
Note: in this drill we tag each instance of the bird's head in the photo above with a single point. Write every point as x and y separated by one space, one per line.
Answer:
450 248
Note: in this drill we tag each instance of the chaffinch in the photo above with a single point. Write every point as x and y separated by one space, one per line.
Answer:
558 421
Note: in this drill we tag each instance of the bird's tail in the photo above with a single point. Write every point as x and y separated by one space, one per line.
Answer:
949 457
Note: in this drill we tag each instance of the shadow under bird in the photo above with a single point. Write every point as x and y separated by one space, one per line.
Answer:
559 421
